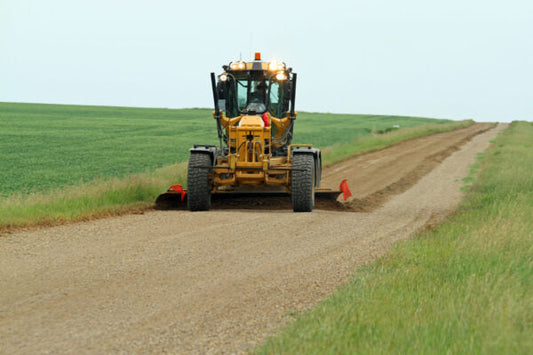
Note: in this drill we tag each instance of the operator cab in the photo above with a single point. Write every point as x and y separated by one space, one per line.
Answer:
246 90
256 101
254 88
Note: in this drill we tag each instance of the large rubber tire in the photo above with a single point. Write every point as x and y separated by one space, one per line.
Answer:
303 183
198 184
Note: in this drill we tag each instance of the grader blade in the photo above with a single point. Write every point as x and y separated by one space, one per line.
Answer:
327 194
174 198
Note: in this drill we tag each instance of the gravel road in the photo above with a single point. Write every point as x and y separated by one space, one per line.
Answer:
223 280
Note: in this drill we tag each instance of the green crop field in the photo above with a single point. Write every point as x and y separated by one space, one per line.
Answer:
465 287
65 162
49 146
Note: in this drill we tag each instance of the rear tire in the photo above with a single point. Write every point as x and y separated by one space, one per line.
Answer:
303 183
198 184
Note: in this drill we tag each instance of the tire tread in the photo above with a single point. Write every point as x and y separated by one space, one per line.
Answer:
302 184
198 184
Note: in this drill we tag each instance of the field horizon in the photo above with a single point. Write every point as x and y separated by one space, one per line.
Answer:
211 109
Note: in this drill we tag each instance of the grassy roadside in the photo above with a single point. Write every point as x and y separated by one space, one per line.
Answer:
464 287
115 195
97 198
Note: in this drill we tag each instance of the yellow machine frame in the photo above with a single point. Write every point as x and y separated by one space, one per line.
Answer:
248 137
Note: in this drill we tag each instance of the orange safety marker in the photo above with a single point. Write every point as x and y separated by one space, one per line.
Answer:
345 189
177 188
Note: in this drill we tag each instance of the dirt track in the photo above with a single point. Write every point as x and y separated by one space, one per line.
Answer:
219 281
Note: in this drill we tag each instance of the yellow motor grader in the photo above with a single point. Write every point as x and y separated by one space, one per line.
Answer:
254 112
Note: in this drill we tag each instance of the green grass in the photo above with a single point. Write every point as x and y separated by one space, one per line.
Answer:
100 197
465 287
64 162
44 147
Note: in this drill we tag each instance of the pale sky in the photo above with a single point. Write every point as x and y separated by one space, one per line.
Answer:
447 59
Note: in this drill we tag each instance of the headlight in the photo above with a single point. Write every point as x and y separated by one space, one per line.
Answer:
276 66
281 76
237 65
223 77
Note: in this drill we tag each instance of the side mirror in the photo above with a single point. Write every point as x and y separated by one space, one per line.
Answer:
222 88
222 104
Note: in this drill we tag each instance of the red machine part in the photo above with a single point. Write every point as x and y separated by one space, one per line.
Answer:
345 189
177 188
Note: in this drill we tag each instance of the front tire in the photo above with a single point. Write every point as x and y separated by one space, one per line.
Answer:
198 182
303 183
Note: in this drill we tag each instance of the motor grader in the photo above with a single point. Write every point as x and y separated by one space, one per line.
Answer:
254 113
